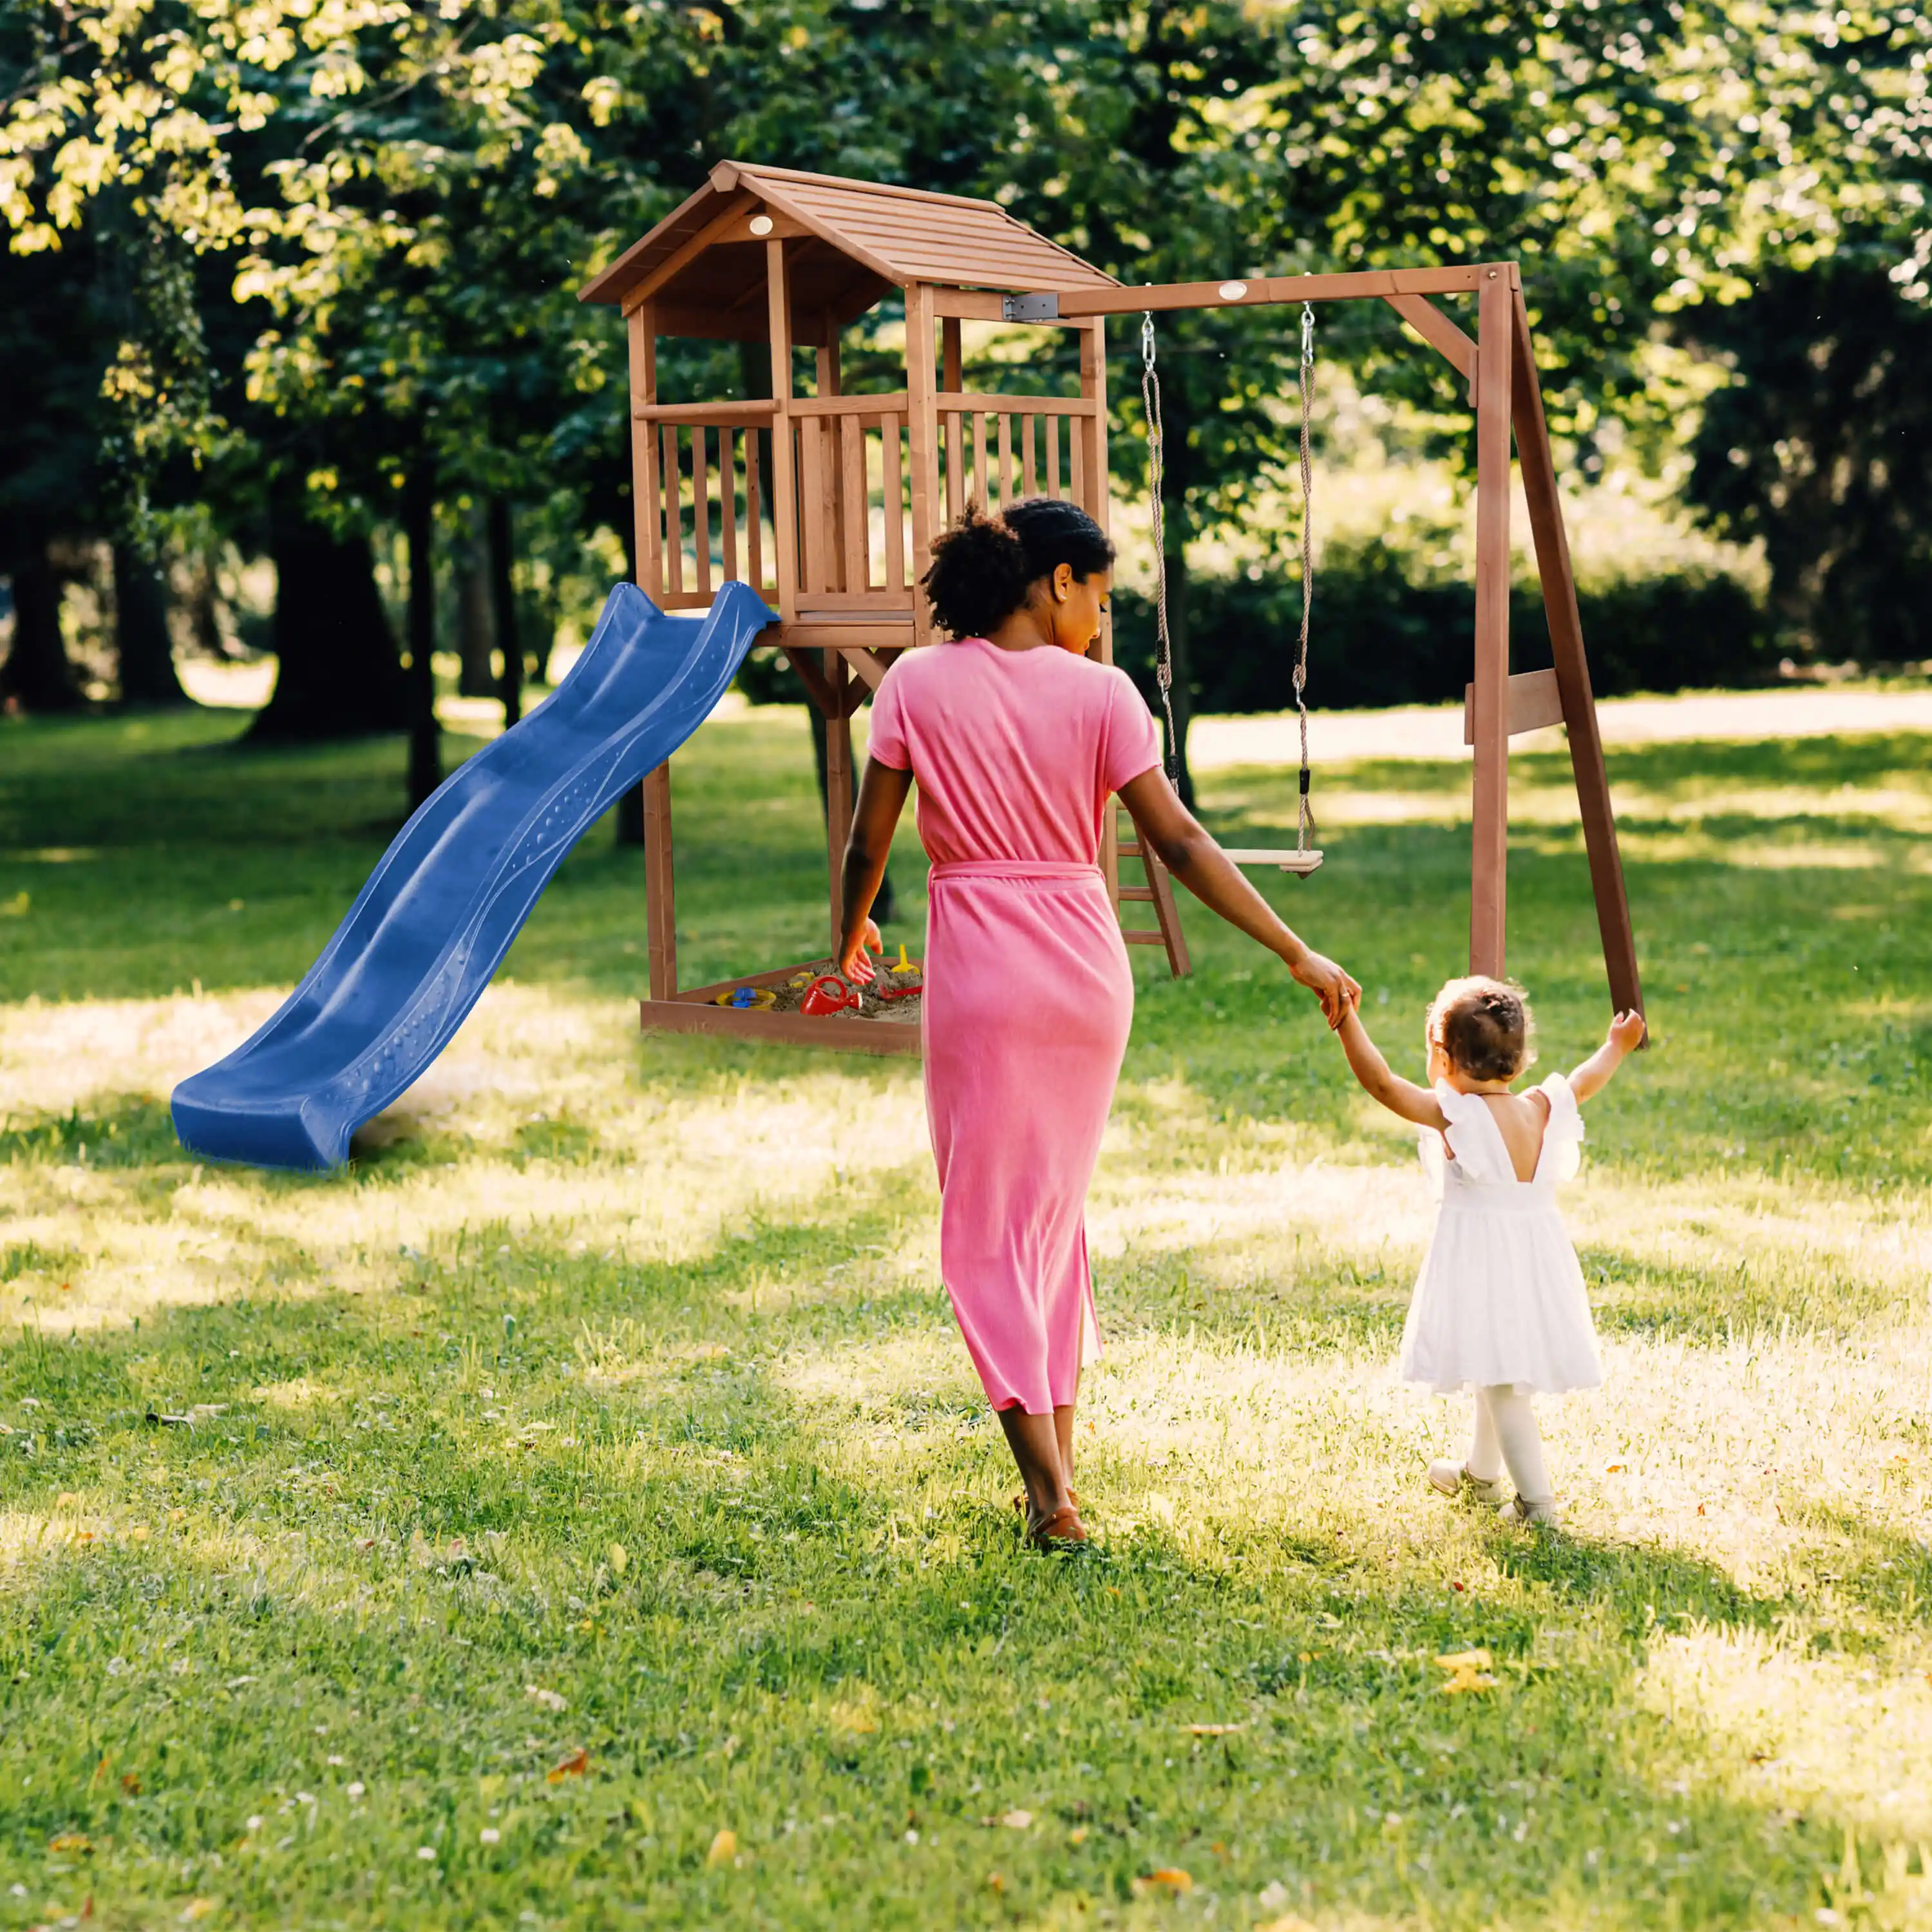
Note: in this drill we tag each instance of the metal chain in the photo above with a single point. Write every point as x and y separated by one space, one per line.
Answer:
1306 822
1163 655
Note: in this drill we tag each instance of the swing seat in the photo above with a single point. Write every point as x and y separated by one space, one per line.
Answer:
1302 863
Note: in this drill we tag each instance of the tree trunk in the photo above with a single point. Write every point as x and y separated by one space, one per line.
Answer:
337 672
503 603
425 744
38 675
147 651
475 621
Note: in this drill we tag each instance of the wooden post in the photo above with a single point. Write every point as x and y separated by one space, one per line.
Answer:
784 492
1573 674
644 452
921 445
660 896
837 788
1490 853
1090 434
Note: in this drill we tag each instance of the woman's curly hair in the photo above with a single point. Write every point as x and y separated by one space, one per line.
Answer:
1484 1026
984 567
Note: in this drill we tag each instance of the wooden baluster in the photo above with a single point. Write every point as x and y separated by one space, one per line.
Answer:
1005 460
852 507
1029 478
816 570
701 507
1076 442
755 511
674 518
893 486
922 444
1051 425
727 493
660 904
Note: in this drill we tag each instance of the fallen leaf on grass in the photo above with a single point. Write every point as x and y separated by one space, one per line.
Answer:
130 1784
196 1908
994 1882
1215 1730
1077 1836
724 1848
575 1765
618 1558
550 1700
1017 1821
1468 1670
1169 1878
71 1841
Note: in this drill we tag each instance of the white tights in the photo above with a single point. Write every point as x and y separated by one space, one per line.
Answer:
1506 1436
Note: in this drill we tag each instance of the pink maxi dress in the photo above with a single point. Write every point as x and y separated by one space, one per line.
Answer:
1028 995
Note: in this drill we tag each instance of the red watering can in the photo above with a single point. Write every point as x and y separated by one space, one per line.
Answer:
826 995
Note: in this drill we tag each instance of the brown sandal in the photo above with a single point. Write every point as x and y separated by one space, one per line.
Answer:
1062 1529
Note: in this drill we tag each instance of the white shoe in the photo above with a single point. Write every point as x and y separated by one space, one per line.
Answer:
1452 1479
1536 1516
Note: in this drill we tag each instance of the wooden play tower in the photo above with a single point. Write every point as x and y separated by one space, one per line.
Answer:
826 503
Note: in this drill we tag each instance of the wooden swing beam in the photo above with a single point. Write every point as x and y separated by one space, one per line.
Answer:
1499 363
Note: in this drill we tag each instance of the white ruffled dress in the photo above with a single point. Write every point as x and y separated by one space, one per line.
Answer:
1501 1298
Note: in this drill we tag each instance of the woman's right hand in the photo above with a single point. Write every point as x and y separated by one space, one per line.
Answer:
1337 990
854 965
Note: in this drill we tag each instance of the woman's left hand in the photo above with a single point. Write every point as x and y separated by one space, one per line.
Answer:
855 966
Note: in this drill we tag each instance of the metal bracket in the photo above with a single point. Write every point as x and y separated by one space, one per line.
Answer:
1030 308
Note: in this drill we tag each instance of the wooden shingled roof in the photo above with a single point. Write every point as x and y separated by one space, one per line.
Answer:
848 243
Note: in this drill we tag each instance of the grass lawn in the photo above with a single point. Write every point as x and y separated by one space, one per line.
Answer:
581 1512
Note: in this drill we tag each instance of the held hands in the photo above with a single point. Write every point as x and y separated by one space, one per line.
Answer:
1337 990
854 965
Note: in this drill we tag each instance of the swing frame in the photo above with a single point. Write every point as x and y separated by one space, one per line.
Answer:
1499 364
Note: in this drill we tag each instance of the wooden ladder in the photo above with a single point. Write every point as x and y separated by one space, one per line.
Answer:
1158 893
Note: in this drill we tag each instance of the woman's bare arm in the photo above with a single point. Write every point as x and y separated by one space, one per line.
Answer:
1188 850
1400 1097
882 797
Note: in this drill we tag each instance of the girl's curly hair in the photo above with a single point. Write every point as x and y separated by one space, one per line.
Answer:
984 567
1484 1026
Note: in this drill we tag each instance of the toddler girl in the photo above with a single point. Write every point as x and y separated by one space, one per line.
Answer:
1499 1306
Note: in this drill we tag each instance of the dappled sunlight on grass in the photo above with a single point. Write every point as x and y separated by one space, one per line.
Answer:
610 1403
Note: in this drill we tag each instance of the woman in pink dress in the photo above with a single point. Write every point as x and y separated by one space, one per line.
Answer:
1018 739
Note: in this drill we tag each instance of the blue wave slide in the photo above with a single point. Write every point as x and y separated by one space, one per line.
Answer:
433 922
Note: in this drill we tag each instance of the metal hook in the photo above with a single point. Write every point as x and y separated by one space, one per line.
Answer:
1146 339
1307 334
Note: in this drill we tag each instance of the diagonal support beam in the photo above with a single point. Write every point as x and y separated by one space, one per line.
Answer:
1573 673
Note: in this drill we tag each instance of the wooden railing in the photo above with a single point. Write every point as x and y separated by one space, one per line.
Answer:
854 471
709 518
998 449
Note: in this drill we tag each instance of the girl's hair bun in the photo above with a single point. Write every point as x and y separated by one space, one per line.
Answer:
984 567
1484 1026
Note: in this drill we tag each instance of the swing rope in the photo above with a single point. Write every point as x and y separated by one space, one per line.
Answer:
1163 654
1163 660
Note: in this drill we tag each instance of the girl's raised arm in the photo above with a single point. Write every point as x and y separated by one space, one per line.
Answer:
1400 1097
1626 1033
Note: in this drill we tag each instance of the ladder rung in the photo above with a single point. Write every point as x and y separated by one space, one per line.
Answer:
1138 892
1145 938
